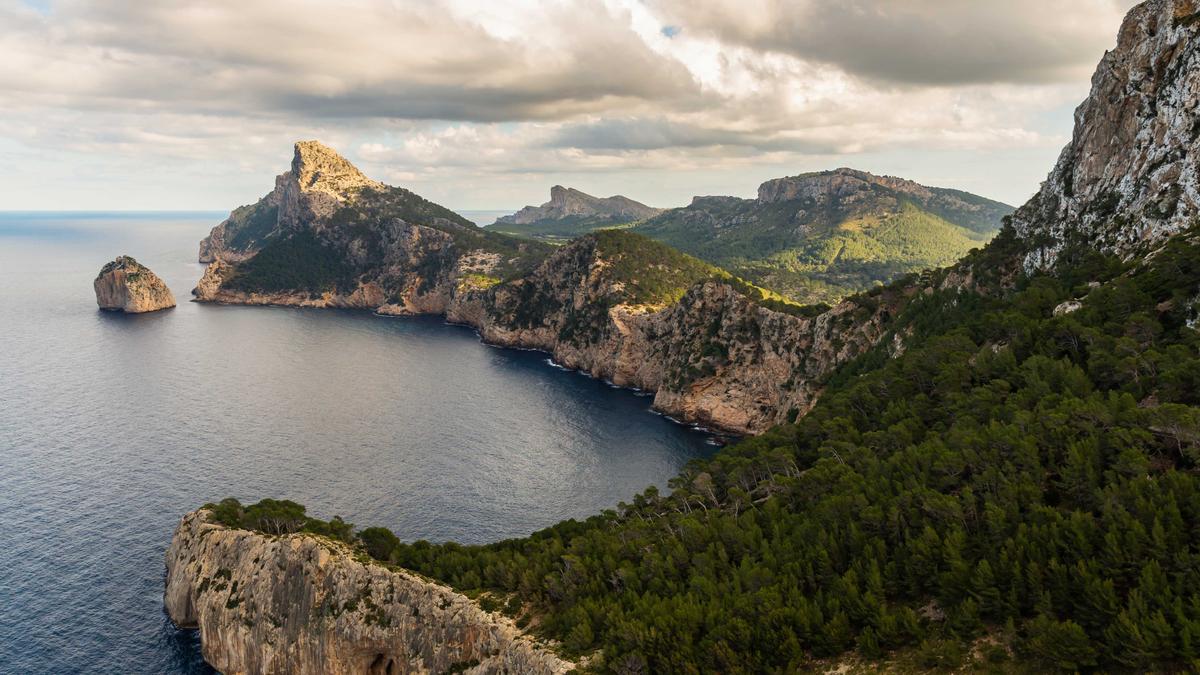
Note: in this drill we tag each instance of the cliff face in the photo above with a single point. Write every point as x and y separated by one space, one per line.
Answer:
128 286
714 357
1129 177
302 604
571 203
319 182
709 353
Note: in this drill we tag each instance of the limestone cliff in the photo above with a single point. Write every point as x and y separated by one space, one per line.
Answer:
303 604
714 357
1129 178
128 286
614 304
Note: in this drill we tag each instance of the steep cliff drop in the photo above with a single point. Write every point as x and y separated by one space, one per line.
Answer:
618 305
302 604
125 285
1129 178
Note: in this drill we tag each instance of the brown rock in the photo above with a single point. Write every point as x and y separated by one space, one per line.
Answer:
125 285
303 604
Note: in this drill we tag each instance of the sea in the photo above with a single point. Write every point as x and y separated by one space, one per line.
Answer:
113 426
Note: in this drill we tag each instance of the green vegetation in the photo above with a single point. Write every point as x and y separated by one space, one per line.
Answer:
280 517
252 224
297 262
657 274
362 217
814 252
653 273
1029 478
561 229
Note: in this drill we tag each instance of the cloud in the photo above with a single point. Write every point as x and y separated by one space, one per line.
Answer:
477 94
345 60
917 41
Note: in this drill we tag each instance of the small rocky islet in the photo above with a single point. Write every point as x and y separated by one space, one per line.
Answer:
125 285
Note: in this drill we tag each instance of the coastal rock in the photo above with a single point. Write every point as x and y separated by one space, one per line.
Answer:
303 604
1130 176
714 357
319 182
126 285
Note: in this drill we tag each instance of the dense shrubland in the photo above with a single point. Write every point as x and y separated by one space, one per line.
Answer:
1016 474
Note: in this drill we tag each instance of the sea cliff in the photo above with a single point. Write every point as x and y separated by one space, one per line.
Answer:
304 604
614 304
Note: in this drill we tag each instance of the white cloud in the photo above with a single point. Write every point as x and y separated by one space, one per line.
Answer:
468 96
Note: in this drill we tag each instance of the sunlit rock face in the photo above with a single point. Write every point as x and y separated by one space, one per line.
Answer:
306 605
125 285
1129 177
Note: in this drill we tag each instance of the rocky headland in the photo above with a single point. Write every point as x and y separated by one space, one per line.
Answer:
306 604
125 285
614 304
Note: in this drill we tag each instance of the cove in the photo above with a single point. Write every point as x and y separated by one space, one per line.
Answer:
112 426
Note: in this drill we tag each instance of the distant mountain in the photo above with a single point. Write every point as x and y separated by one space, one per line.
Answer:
820 236
570 213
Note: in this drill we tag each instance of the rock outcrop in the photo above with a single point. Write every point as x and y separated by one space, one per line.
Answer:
1130 176
125 285
568 203
319 182
711 354
303 604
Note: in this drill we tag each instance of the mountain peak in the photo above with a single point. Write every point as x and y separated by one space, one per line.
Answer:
318 167
568 202
1129 176
834 184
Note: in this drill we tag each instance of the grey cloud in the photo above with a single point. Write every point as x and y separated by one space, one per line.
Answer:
373 60
923 42
659 133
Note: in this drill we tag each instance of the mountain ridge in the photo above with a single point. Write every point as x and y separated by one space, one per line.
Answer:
572 212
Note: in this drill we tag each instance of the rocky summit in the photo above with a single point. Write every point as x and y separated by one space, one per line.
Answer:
571 212
1129 178
125 285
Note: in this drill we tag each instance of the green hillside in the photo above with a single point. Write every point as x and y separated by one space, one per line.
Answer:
1014 492
821 251
559 230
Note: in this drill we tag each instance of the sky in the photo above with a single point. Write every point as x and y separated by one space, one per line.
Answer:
195 104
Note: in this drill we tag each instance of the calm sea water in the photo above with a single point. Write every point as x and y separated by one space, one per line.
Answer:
113 426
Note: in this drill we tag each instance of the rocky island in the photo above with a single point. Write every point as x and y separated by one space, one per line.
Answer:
125 285
307 604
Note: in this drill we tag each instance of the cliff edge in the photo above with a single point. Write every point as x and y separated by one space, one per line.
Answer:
305 604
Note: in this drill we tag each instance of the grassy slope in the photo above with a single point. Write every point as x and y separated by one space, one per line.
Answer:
826 254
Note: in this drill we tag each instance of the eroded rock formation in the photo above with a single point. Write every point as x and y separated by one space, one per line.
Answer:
302 604
571 203
126 285
1129 178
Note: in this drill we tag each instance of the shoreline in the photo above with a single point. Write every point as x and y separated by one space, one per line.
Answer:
720 437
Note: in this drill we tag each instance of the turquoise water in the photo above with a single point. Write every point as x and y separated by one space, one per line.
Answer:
113 426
